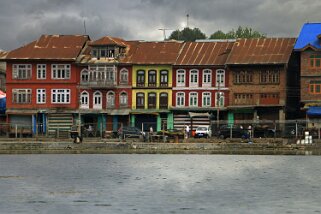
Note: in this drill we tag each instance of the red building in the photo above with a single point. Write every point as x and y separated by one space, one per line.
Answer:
42 83
200 83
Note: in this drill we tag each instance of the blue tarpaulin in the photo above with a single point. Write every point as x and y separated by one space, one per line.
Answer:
2 105
314 111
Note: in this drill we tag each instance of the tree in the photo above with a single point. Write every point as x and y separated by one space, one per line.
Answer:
187 34
241 32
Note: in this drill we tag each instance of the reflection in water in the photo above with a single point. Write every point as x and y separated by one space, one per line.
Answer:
159 184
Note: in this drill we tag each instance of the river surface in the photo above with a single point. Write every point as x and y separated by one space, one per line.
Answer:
148 184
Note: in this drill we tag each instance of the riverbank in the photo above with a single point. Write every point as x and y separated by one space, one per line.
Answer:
190 146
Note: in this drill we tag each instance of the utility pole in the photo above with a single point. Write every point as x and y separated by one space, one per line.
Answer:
218 99
164 32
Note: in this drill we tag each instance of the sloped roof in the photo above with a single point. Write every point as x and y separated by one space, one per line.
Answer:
261 51
309 37
204 53
58 47
108 40
157 52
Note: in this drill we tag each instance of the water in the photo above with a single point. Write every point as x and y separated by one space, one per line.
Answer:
147 184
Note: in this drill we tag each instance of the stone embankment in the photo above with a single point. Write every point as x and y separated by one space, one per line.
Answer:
190 146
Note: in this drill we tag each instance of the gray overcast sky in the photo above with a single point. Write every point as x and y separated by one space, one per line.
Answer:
22 21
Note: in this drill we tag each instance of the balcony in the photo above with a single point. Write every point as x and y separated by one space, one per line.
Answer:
99 77
97 84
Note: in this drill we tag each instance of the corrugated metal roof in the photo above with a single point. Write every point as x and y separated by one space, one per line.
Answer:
261 51
204 53
108 40
157 52
309 37
59 47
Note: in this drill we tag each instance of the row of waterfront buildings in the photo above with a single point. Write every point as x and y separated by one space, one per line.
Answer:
58 79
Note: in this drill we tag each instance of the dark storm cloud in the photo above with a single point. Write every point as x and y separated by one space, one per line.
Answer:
24 21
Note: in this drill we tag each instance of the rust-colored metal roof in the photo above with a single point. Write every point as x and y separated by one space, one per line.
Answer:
57 47
261 51
157 52
204 53
108 40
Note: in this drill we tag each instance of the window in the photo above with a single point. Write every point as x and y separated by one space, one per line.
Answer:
269 98
243 77
152 100
219 99
164 78
220 78
207 77
269 77
315 87
180 78
124 76
110 99
141 78
21 71
243 99
151 78
123 99
41 71
140 100
193 99
193 78
21 96
41 96
60 71
163 100
180 99
60 96
103 53
315 61
102 74
84 102
84 75
206 99
97 100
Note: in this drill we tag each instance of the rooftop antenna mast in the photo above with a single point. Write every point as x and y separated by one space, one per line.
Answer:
164 32
85 27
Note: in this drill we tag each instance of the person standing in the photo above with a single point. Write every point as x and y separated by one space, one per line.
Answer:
151 131
187 131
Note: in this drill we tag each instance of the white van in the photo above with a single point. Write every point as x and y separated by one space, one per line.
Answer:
203 131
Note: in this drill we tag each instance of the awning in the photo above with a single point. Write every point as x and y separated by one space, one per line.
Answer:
314 111
120 112
196 114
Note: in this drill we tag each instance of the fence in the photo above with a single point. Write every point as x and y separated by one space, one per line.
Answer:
257 129
269 129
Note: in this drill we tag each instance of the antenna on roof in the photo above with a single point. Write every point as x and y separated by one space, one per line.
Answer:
85 27
164 32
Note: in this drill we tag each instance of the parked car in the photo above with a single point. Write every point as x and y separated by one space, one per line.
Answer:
237 132
203 131
130 132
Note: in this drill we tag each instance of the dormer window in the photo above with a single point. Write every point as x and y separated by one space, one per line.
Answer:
102 53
